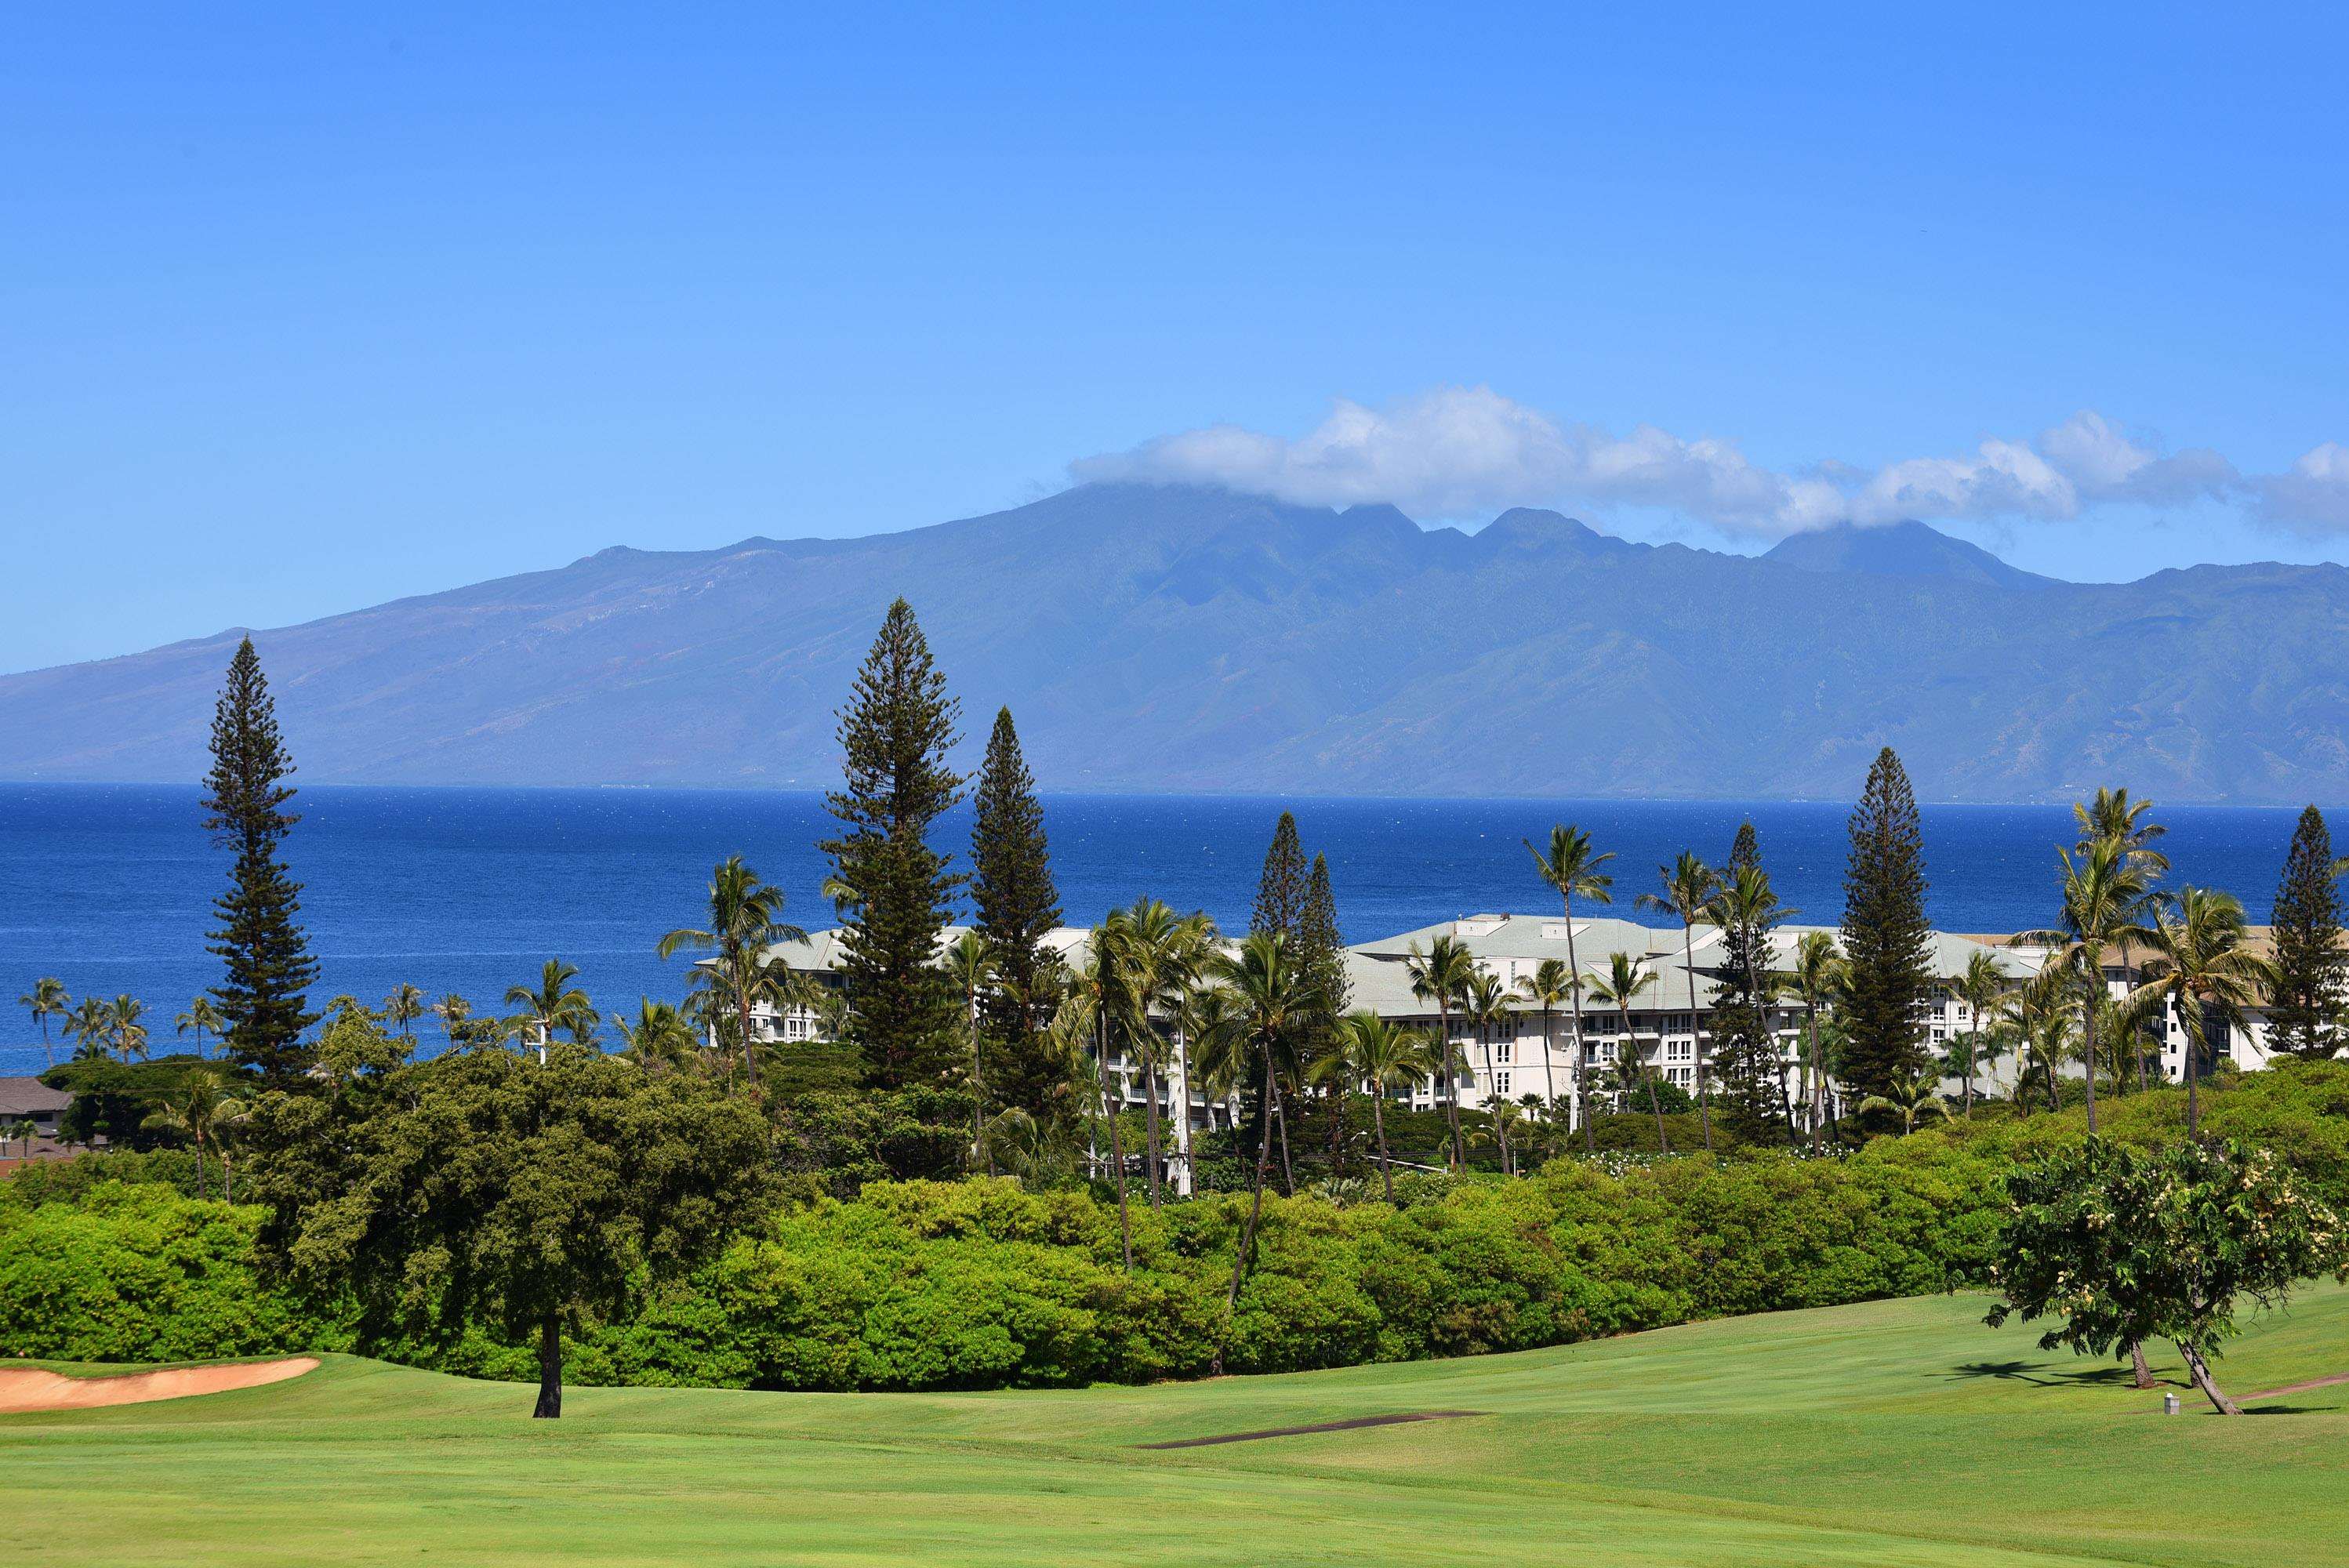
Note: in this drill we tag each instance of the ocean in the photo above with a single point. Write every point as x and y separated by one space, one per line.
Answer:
109 887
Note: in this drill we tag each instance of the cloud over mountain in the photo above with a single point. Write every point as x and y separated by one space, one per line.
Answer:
1458 451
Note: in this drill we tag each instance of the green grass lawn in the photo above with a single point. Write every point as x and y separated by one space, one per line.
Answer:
1895 1433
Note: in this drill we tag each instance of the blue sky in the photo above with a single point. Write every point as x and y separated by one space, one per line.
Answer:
305 310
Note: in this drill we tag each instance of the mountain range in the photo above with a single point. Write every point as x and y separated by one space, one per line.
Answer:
1165 638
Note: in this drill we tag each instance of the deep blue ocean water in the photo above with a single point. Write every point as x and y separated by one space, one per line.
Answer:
108 887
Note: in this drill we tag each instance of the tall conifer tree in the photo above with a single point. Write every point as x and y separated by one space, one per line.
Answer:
896 891
259 939
1324 950
2304 1016
1281 892
1016 903
1752 1076
1886 942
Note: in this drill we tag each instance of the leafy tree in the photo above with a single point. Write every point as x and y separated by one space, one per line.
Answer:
2203 966
45 1000
1885 942
486 1189
2304 1015
201 1016
895 891
745 924
1571 869
1015 905
2127 1247
267 967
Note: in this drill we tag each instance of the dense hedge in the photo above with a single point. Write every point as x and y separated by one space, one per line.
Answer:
977 1284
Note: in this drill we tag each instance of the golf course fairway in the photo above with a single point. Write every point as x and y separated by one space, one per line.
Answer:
1892 1433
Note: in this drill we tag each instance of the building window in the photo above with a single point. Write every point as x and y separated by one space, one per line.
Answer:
1501 1085
1501 1053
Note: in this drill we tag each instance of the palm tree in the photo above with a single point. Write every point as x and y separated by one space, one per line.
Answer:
231 1115
2105 900
46 997
1163 952
1439 975
2113 817
91 1025
403 1008
1979 987
1380 1056
1099 989
1689 885
1486 1003
1551 983
452 1010
555 1004
2045 1016
191 1111
202 1018
1625 981
1571 869
972 968
660 1036
1504 1115
22 1130
1743 901
1913 1094
2202 965
129 1035
1274 1000
1815 974
745 923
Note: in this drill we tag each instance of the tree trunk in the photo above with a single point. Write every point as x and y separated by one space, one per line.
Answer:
1450 1084
1116 1154
1185 1182
1581 1050
1379 1121
1150 1122
2200 1371
1255 1211
1288 1169
977 1095
1969 1065
1818 1076
550 1369
2193 1092
1696 1035
1663 1138
2088 1027
1549 1068
2140 1374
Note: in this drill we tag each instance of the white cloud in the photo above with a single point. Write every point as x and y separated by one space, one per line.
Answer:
2313 496
1463 451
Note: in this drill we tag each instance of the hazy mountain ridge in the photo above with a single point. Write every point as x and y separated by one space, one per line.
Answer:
1179 639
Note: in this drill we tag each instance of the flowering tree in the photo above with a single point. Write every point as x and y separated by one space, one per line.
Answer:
2127 1247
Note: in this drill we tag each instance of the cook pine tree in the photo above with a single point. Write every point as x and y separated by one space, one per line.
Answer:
267 968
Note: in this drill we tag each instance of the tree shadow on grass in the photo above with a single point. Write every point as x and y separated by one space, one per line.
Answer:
2039 1377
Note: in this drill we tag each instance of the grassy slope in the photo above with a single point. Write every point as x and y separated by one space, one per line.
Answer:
1894 1433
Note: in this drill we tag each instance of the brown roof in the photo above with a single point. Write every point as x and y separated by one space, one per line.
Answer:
22 1096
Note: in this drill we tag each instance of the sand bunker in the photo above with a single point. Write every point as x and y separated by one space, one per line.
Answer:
24 1389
